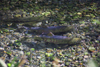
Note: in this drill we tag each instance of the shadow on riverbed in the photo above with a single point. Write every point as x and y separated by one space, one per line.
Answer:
39 46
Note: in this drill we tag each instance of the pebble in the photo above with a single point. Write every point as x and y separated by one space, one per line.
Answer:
86 56
39 57
92 49
21 52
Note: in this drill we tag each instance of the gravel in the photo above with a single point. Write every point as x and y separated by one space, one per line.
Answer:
18 48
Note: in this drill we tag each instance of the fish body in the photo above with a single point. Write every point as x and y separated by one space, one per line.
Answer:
57 39
53 29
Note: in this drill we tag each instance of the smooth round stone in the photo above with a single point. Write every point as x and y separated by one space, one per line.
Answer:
39 57
86 56
69 60
21 52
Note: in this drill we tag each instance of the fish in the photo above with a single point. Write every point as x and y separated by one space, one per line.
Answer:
53 29
56 39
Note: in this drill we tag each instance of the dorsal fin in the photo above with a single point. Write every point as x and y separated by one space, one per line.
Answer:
50 34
